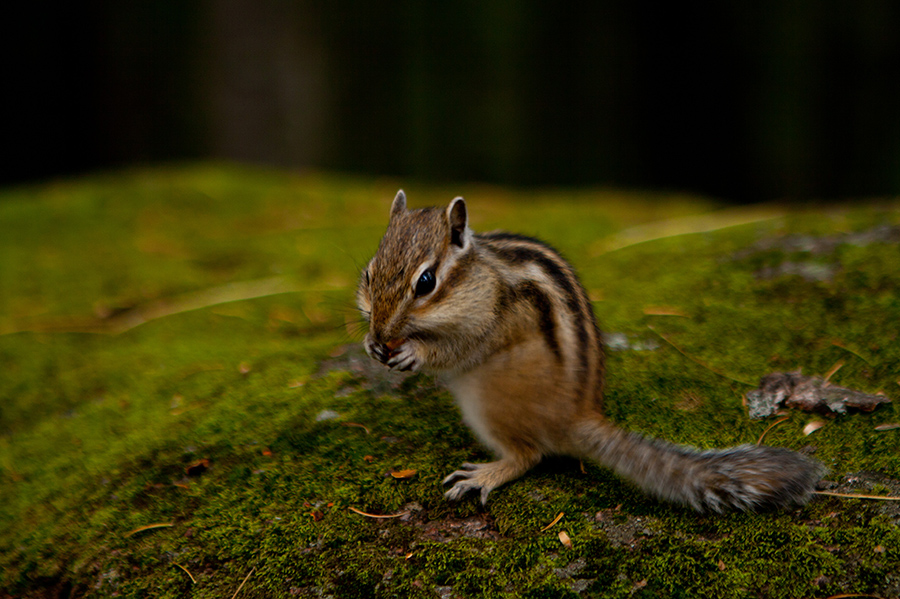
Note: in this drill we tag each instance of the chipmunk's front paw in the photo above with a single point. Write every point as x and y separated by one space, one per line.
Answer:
404 358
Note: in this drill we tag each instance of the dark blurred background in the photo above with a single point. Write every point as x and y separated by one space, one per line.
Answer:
742 100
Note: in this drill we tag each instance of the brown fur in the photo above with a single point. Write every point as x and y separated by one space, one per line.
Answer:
510 329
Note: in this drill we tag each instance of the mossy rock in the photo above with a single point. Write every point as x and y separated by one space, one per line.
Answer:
182 412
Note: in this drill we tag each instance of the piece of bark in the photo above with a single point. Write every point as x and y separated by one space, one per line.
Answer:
807 393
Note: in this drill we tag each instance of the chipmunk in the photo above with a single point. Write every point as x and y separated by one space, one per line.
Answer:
505 322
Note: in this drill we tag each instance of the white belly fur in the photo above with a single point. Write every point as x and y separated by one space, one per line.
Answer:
468 397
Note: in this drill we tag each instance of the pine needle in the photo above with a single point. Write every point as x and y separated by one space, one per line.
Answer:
149 527
367 515
357 425
858 496
770 427
664 311
555 520
243 582
837 366
849 350
191 576
696 361
685 225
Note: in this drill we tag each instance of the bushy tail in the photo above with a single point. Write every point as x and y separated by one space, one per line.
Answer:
748 477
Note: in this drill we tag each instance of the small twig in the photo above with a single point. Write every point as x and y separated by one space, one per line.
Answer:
149 527
770 427
696 361
243 582
858 496
555 520
367 515
191 576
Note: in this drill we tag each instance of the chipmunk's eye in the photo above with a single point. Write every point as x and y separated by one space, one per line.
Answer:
426 283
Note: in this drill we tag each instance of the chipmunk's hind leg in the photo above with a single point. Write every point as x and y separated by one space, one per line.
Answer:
489 476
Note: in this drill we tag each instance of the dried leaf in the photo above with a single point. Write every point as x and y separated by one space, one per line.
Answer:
555 520
887 427
316 515
721 566
380 516
564 539
812 427
295 384
403 474
197 468
244 367
369 458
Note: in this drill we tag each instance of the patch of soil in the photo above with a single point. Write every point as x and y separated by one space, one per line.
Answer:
623 531
481 526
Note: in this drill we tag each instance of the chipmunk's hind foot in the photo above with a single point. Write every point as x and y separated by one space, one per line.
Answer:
484 477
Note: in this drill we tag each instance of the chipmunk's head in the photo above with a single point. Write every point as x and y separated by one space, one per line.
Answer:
402 289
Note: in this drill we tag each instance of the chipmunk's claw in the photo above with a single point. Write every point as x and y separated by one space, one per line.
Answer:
467 479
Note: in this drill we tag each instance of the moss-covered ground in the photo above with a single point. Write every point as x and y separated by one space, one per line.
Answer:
174 352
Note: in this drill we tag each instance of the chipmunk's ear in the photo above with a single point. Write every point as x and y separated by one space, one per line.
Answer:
399 205
458 218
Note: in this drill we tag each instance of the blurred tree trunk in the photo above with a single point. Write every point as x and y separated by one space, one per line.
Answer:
265 82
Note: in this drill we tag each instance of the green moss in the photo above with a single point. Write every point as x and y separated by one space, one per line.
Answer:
98 432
